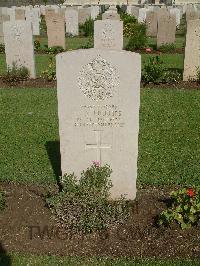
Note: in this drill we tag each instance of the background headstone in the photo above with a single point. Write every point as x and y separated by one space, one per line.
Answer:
142 15
192 50
108 34
55 30
19 47
83 15
110 15
20 14
33 17
71 20
166 29
177 13
98 109
3 18
152 23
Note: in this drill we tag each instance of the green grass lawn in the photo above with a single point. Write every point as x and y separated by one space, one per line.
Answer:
170 61
179 43
71 43
33 260
169 140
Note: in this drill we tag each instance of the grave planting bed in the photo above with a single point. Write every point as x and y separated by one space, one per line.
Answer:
26 216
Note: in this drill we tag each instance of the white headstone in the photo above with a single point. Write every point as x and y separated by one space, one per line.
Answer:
177 13
142 15
94 12
71 20
108 34
3 18
192 50
83 15
11 13
32 16
98 108
110 15
19 48
55 29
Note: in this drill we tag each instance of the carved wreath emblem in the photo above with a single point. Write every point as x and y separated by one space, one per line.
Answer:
16 32
98 80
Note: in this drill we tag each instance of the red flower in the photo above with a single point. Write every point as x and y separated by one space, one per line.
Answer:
190 192
148 50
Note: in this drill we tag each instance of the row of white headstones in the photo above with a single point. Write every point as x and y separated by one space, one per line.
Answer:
108 34
98 97
72 16
75 15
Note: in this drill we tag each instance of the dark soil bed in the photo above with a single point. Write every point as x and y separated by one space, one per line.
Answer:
25 217
30 83
42 83
190 85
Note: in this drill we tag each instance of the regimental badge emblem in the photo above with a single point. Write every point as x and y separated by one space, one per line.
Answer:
98 80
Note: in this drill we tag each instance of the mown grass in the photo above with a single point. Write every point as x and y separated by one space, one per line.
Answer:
170 61
169 140
71 43
179 42
24 260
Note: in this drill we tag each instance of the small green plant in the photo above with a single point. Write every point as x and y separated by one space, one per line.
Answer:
54 50
2 48
16 73
198 75
89 44
184 208
50 72
167 48
153 70
37 45
87 29
171 76
84 205
2 201
127 19
137 36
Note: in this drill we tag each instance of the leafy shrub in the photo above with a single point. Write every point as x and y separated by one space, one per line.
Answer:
87 29
127 19
16 73
137 36
84 205
37 45
2 201
184 209
171 76
2 48
154 72
54 50
167 48
88 45
50 72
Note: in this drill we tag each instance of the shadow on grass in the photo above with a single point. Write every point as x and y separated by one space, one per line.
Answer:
53 150
5 259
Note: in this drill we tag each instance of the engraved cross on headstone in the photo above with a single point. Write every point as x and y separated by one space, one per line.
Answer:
98 145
